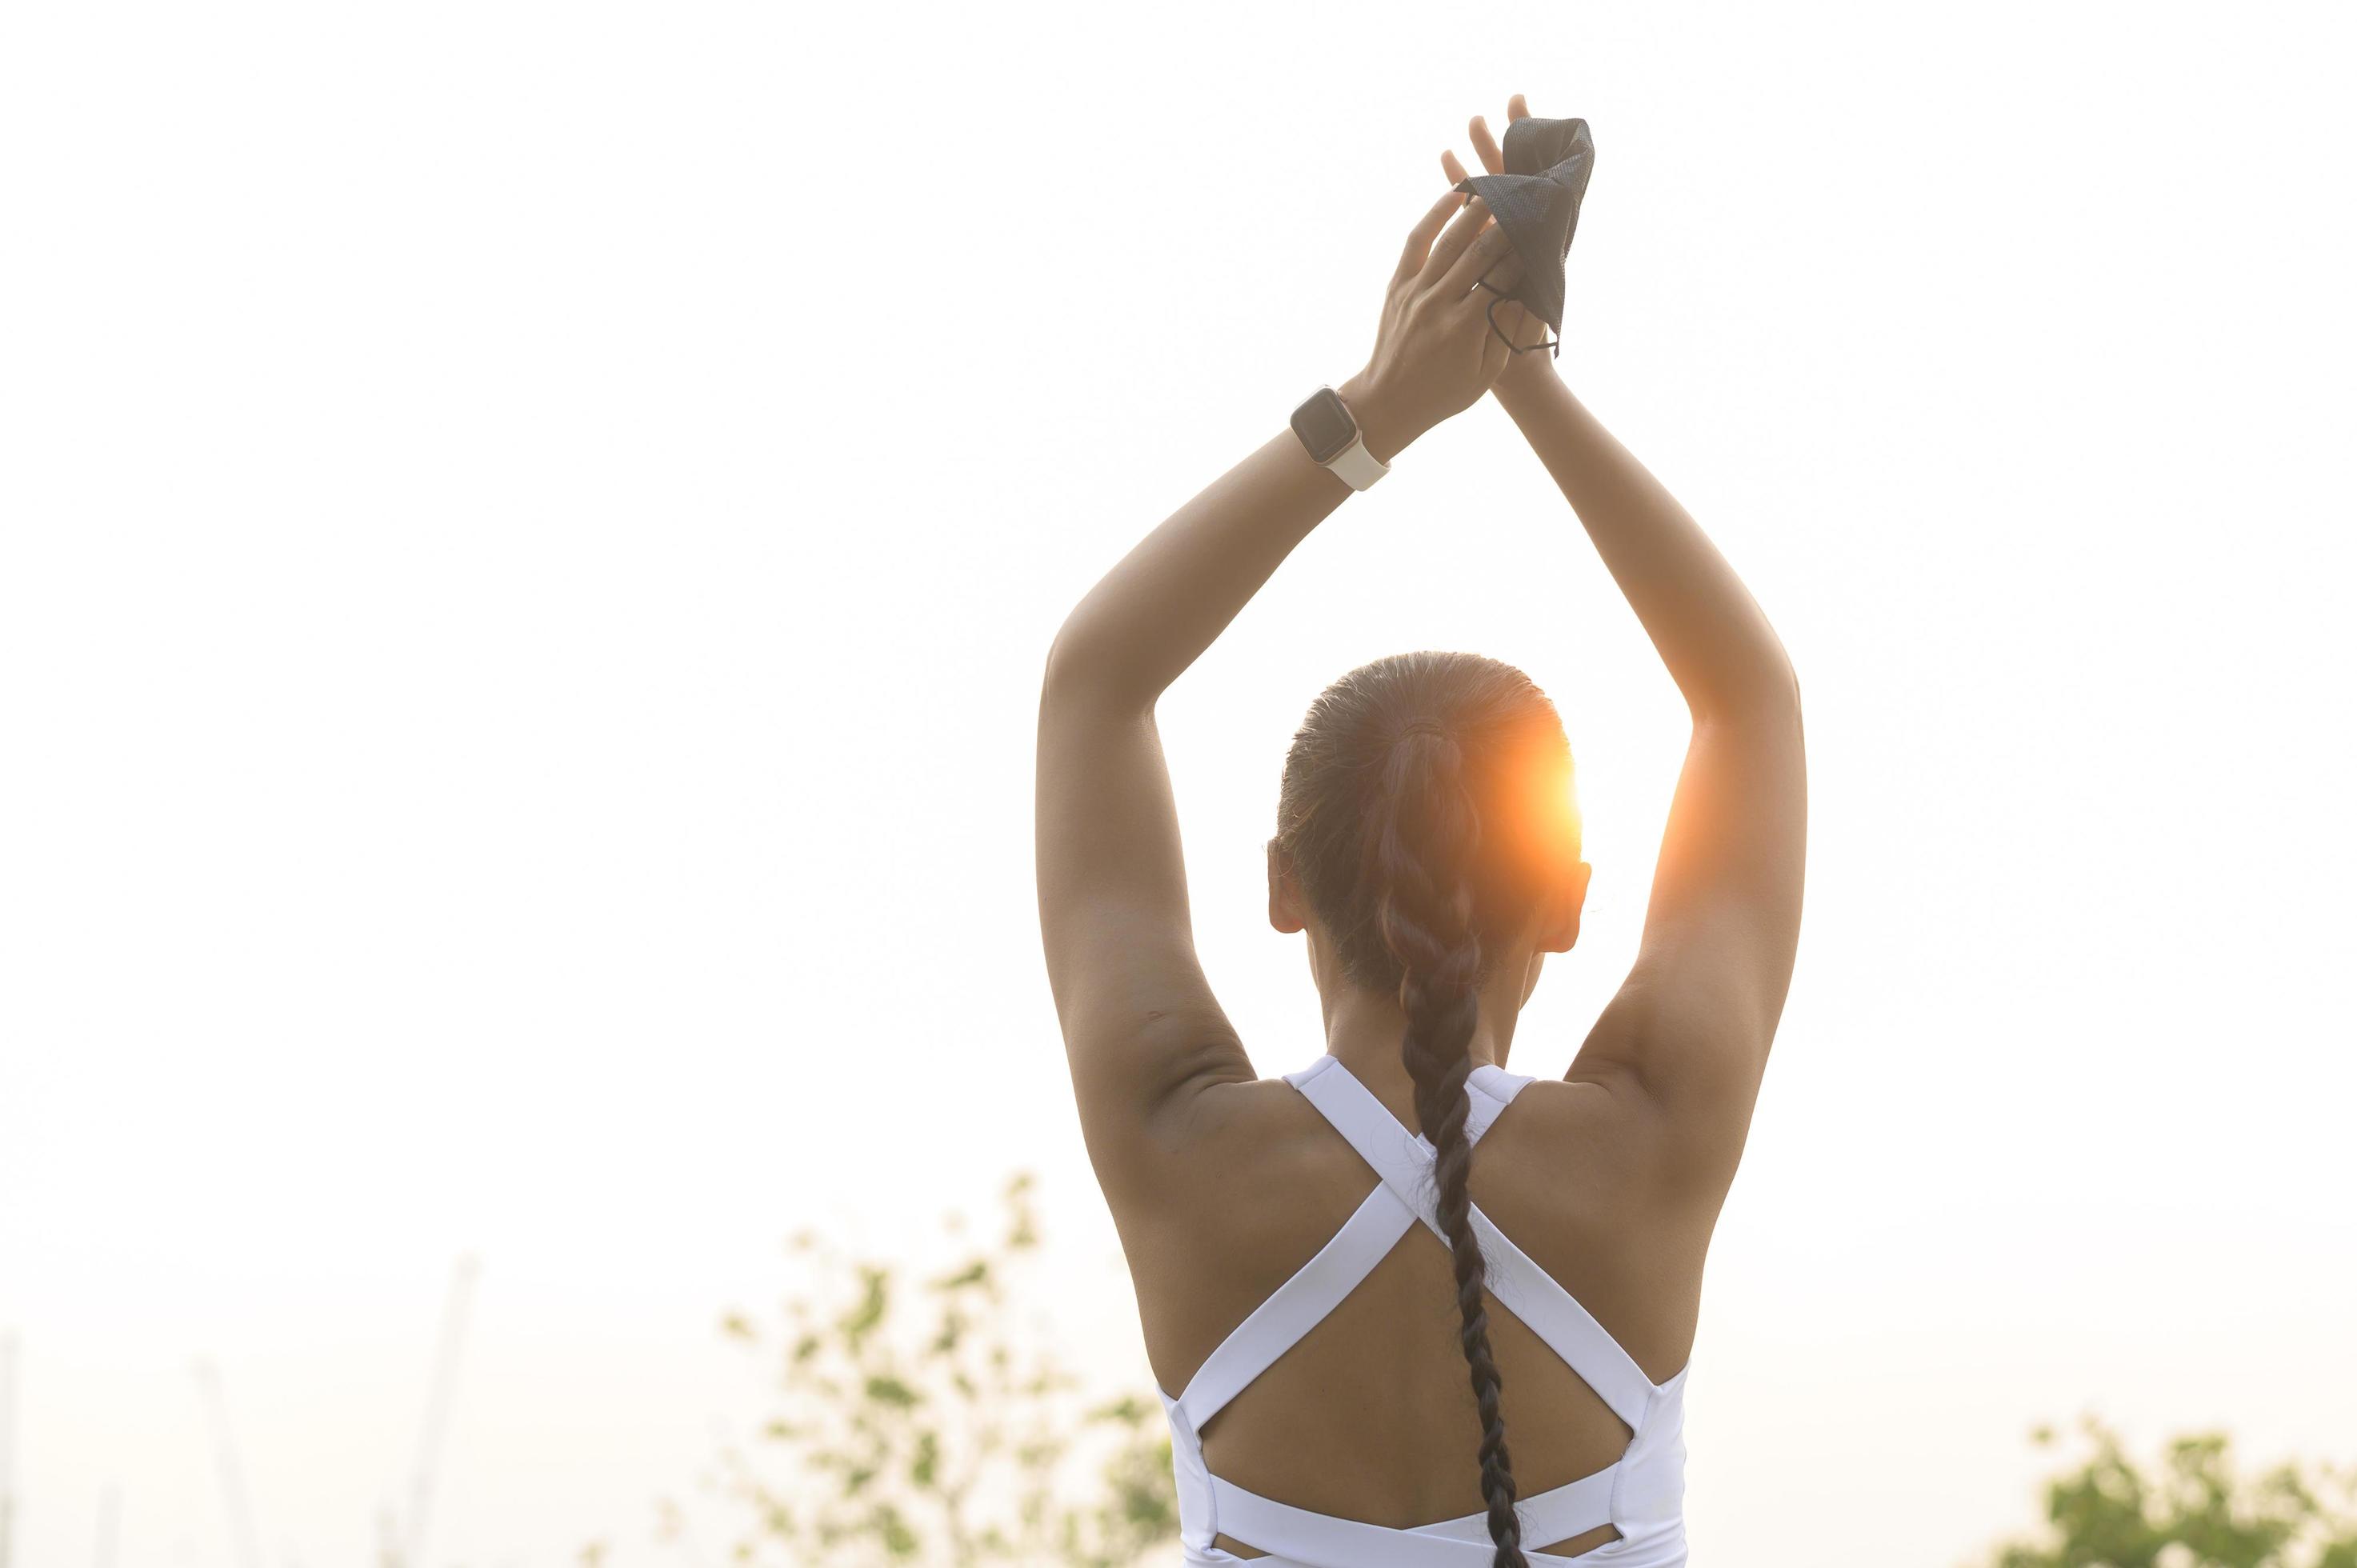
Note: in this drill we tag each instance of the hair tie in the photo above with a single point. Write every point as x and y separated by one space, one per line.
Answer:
1553 347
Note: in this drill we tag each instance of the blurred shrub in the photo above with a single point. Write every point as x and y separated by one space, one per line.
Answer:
2190 1511
921 1421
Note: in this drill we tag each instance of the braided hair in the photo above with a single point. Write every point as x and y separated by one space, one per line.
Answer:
1426 799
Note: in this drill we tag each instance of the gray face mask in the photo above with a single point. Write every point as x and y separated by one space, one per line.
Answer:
1536 203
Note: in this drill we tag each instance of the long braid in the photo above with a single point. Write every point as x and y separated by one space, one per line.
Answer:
1426 806
1421 852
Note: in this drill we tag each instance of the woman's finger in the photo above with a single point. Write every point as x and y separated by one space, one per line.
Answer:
1486 146
1420 238
1474 260
1456 239
1451 167
1516 109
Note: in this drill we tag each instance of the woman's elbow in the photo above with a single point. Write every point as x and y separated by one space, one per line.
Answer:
1766 690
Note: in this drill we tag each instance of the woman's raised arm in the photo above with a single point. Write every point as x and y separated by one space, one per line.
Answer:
1691 1027
1141 1028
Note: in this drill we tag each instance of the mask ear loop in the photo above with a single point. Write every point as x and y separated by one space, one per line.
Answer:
1555 349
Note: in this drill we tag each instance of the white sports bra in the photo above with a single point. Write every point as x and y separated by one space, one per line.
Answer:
1641 1494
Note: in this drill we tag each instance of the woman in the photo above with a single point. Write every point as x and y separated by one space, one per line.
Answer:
1344 1384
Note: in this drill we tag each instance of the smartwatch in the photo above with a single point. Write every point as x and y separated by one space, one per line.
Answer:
1330 435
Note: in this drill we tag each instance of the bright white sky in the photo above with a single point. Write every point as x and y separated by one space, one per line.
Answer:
530 534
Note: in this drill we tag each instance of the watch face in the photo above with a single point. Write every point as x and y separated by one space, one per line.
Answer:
1325 427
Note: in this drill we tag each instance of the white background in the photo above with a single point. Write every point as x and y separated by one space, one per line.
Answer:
531 532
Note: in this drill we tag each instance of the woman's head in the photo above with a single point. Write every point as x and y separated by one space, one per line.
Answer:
1464 760
1427 820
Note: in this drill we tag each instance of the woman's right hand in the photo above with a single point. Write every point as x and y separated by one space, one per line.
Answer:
1434 354
1513 320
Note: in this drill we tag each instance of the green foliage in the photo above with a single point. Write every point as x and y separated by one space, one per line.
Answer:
2191 1511
919 1423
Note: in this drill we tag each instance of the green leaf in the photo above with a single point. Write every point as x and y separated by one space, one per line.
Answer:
888 1390
1012 1461
973 1273
924 1470
874 1301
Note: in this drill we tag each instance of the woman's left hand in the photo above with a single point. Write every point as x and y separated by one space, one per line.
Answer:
1434 354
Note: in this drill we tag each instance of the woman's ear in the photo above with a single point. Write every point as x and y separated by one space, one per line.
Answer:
1561 928
1285 910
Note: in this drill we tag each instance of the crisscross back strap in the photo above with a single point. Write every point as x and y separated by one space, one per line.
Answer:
1299 1304
1404 1160
1319 1286
1401 1157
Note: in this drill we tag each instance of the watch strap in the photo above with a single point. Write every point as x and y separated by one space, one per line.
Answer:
1355 466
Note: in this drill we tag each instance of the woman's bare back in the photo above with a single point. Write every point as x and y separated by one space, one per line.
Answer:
1369 1416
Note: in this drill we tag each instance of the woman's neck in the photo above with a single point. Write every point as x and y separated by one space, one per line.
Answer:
1363 1031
